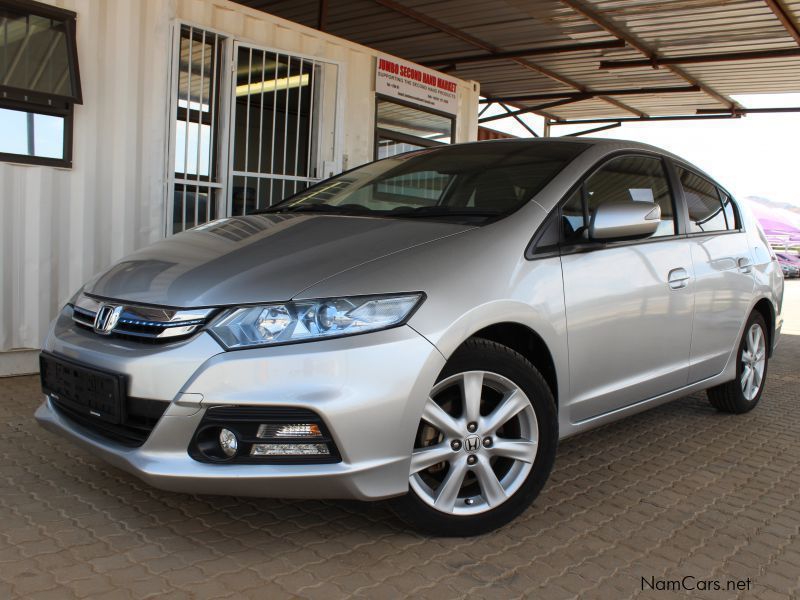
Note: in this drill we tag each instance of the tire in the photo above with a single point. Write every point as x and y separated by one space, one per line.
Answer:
459 496
736 396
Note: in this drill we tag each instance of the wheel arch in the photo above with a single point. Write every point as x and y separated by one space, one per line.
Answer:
528 343
765 308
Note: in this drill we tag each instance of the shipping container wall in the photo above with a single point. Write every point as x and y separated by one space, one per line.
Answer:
357 62
60 226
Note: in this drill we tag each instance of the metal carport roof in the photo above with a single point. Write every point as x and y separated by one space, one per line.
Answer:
583 60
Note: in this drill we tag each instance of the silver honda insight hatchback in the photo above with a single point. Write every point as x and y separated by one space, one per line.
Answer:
423 328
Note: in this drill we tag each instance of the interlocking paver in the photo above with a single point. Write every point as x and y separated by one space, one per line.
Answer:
680 490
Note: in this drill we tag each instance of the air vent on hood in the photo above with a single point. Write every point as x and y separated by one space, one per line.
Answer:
144 323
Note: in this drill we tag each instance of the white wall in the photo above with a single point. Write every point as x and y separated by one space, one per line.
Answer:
60 226
253 26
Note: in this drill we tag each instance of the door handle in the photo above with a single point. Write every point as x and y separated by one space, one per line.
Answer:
678 278
744 264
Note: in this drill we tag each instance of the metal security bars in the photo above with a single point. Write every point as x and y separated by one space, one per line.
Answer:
276 138
197 186
250 127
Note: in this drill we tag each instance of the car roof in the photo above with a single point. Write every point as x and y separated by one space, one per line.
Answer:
608 146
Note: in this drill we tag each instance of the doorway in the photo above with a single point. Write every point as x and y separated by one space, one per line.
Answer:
271 135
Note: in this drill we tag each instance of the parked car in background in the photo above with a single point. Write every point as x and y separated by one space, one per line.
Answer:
424 327
790 271
790 264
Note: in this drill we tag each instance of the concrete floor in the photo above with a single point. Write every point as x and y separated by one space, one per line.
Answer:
680 491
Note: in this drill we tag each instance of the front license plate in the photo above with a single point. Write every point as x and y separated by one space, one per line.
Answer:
89 391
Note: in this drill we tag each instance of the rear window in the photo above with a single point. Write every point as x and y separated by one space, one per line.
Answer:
731 214
706 213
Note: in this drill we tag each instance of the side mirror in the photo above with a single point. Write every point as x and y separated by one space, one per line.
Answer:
624 220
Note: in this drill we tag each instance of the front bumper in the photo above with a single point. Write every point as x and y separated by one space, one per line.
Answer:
368 389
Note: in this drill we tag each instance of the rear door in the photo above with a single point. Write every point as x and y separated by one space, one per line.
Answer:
722 265
628 304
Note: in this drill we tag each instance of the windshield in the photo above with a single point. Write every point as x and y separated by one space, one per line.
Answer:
471 181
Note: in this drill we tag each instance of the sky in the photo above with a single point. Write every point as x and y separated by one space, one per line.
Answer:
48 134
756 155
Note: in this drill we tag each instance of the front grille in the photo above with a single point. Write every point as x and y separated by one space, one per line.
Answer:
141 416
141 323
251 425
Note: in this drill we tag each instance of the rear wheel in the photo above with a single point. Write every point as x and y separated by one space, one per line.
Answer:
743 393
485 444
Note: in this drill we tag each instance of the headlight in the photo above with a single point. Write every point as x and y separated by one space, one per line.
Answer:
307 320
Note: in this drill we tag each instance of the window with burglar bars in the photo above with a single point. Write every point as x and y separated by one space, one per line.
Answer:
197 190
275 130
248 127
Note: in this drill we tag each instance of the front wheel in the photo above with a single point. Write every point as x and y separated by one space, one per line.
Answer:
743 393
485 444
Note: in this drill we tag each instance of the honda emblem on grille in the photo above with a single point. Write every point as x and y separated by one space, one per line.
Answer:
106 318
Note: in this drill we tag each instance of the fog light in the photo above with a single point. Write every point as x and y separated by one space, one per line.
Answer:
293 430
289 450
228 442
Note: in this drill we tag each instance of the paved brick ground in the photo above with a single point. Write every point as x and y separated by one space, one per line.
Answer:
678 491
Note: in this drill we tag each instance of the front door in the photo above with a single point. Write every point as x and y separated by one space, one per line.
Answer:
628 304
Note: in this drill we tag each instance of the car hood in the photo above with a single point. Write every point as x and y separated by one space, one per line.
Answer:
259 258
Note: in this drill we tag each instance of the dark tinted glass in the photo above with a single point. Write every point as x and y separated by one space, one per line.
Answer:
34 54
573 219
702 200
624 179
548 236
477 180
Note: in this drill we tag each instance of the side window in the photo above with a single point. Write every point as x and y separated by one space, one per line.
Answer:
624 179
731 214
705 209
547 238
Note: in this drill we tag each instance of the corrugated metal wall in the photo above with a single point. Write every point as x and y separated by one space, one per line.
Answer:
259 28
58 227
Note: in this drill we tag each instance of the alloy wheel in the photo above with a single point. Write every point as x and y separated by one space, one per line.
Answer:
476 443
754 360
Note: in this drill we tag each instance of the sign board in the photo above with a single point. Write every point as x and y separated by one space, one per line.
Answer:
412 83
